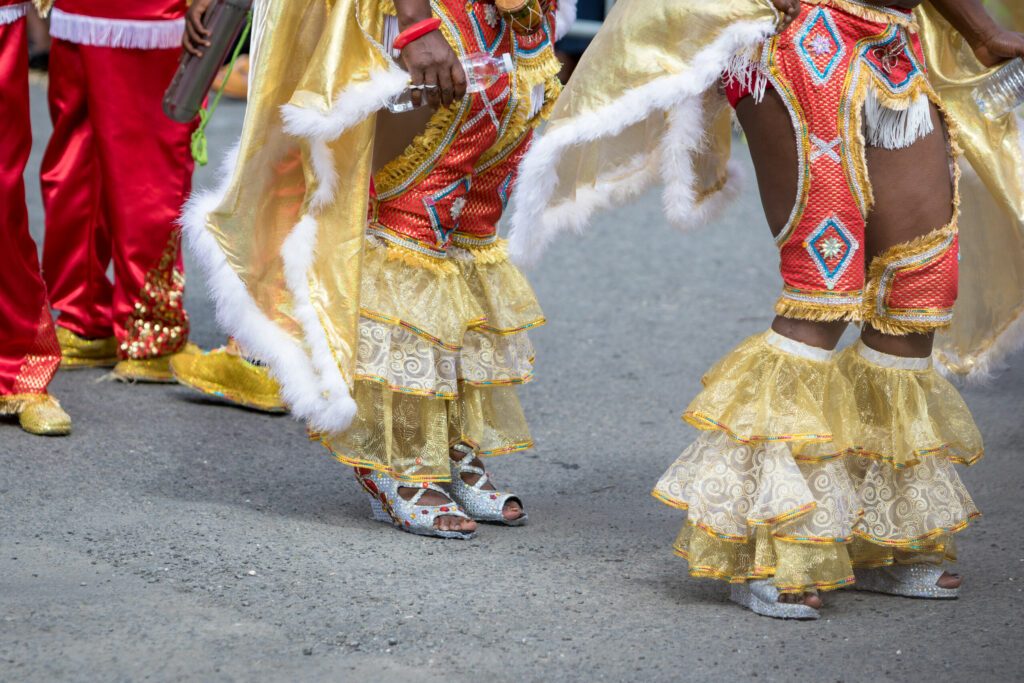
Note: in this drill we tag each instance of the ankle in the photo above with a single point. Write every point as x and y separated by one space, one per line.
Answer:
461 451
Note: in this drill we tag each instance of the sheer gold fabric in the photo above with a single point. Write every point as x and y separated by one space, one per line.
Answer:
404 361
441 346
992 219
795 567
759 394
775 487
440 299
906 416
408 437
642 42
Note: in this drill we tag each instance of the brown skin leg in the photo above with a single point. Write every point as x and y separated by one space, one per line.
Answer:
913 196
772 143
395 132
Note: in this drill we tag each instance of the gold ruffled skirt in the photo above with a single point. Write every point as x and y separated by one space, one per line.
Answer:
809 465
442 346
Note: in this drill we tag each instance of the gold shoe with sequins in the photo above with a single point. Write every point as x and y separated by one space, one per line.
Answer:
79 352
39 414
150 370
229 376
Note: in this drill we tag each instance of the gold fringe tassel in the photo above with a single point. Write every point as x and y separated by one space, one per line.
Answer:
871 14
801 310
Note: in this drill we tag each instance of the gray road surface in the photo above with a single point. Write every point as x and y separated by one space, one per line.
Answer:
171 538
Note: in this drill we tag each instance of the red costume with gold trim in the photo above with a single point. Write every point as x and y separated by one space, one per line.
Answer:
115 175
436 271
822 65
814 469
29 353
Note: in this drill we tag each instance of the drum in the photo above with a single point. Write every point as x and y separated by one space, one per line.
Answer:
525 16
225 20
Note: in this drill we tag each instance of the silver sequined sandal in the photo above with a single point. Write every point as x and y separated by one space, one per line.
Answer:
482 505
389 507
762 597
905 580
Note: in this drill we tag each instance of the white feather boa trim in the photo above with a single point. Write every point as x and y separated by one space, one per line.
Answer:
311 382
303 381
535 223
121 33
565 17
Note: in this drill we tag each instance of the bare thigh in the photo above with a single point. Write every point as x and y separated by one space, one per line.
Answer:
772 141
395 132
913 196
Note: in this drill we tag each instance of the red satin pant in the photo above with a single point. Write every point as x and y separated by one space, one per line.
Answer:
114 177
29 353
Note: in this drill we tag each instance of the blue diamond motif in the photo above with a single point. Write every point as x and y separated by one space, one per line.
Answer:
443 226
819 38
832 247
897 43
505 190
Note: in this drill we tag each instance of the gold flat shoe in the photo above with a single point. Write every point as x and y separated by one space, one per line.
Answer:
150 370
79 352
38 414
225 374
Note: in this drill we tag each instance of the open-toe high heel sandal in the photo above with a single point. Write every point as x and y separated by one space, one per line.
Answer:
762 597
482 505
408 515
905 580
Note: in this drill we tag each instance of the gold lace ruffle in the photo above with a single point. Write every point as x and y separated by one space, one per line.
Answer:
441 304
403 361
907 416
762 394
912 507
732 490
795 567
408 437
754 511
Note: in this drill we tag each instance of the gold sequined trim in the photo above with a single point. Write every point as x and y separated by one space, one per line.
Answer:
818 312
158 325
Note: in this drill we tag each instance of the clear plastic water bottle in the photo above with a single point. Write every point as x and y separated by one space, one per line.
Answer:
482 71
1002 91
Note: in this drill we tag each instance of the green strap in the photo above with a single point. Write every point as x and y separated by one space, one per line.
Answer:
199 151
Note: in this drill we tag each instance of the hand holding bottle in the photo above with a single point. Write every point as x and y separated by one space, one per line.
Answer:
480 70
433 66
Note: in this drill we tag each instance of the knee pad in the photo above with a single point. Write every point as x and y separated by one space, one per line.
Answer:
912 286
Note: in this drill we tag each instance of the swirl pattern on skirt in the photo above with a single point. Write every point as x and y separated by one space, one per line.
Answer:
732 489
408 363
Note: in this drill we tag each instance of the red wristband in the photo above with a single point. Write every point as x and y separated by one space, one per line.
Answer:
415 32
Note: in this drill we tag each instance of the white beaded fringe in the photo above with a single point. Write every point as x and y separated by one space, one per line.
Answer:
896 128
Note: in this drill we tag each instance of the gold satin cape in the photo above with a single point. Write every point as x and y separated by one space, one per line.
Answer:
644 106
281 237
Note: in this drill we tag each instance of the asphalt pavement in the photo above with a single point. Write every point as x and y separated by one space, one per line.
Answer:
173 538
